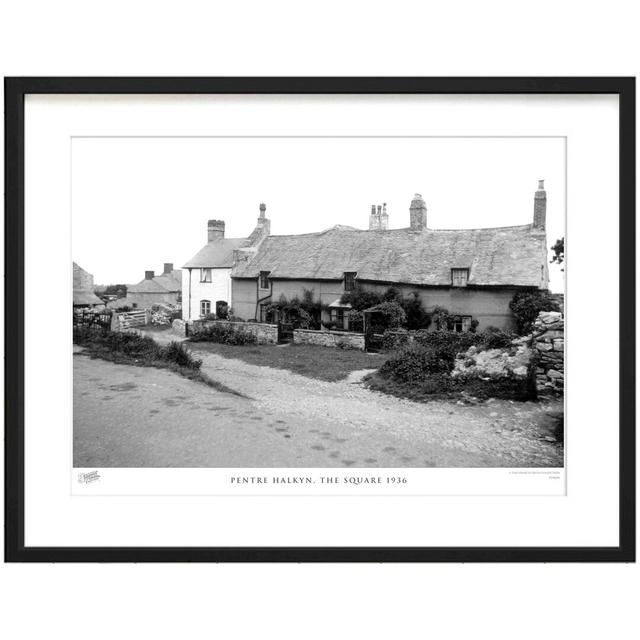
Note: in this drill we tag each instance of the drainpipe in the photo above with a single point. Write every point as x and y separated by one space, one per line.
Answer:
189 314
259 300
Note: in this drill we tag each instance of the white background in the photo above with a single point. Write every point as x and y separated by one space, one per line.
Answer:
363 38
586 516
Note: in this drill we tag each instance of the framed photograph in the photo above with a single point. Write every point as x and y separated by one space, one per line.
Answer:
320 319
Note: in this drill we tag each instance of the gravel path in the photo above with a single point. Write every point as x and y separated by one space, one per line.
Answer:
130 416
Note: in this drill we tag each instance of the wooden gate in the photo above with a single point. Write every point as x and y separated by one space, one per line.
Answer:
285 332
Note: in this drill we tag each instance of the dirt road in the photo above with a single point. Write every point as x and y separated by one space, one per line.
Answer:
127 416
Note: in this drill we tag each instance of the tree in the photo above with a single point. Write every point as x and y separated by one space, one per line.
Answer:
526 305
558 251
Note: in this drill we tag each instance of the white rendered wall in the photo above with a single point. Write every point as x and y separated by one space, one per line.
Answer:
218 289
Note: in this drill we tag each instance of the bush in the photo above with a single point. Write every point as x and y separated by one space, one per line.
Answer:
494 338
526 306
438 386
132 347
223 334
414 363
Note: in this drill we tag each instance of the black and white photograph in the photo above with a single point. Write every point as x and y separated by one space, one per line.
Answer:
318 301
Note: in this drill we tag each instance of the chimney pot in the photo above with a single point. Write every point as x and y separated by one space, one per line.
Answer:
215 230
263 209
149 275
540 184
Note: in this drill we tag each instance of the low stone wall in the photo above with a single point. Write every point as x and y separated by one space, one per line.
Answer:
264 333
343 339
548 344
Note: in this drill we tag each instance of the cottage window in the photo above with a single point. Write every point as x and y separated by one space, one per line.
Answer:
205 308
349 280
459 277
205 275
263 313
264 279
461 324
339 318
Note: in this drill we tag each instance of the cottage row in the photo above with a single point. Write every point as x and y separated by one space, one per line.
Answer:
473 273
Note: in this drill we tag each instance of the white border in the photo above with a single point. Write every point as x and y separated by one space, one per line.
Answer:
586 516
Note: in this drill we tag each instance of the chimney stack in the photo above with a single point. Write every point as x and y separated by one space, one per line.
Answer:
418 213
374 219
378 218
540 207
262 229
215 230
384 218
149 275
168 268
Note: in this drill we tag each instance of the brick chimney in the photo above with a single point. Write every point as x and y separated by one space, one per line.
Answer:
215 230
168 268
418 213
540 207
149 275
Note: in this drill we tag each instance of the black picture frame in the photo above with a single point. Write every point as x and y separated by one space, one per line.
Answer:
15 91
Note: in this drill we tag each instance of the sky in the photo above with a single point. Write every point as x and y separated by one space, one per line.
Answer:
140 202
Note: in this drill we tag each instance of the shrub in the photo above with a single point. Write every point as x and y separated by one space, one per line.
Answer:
447 344
132 347
494 338
223 334
414 363
387 315
444 386
526 306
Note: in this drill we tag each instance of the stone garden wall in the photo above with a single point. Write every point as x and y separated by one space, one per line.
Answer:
548 344
343 339
264 333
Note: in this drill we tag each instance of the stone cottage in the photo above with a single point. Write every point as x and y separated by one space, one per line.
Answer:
473 273
163 289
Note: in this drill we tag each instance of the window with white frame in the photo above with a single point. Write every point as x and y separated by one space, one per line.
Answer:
205 275
205 308
459 277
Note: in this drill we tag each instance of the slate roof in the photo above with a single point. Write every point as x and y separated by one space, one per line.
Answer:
217 253
159 284
494 256
171 281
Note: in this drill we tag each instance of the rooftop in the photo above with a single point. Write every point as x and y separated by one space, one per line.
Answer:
494 256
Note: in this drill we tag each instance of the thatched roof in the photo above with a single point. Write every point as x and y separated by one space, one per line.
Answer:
85 298
217 253
497 256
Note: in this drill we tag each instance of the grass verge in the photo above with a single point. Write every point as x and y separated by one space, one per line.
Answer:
144 351
320 363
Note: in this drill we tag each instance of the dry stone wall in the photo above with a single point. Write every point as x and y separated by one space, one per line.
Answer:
548 343
345 340
264 333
